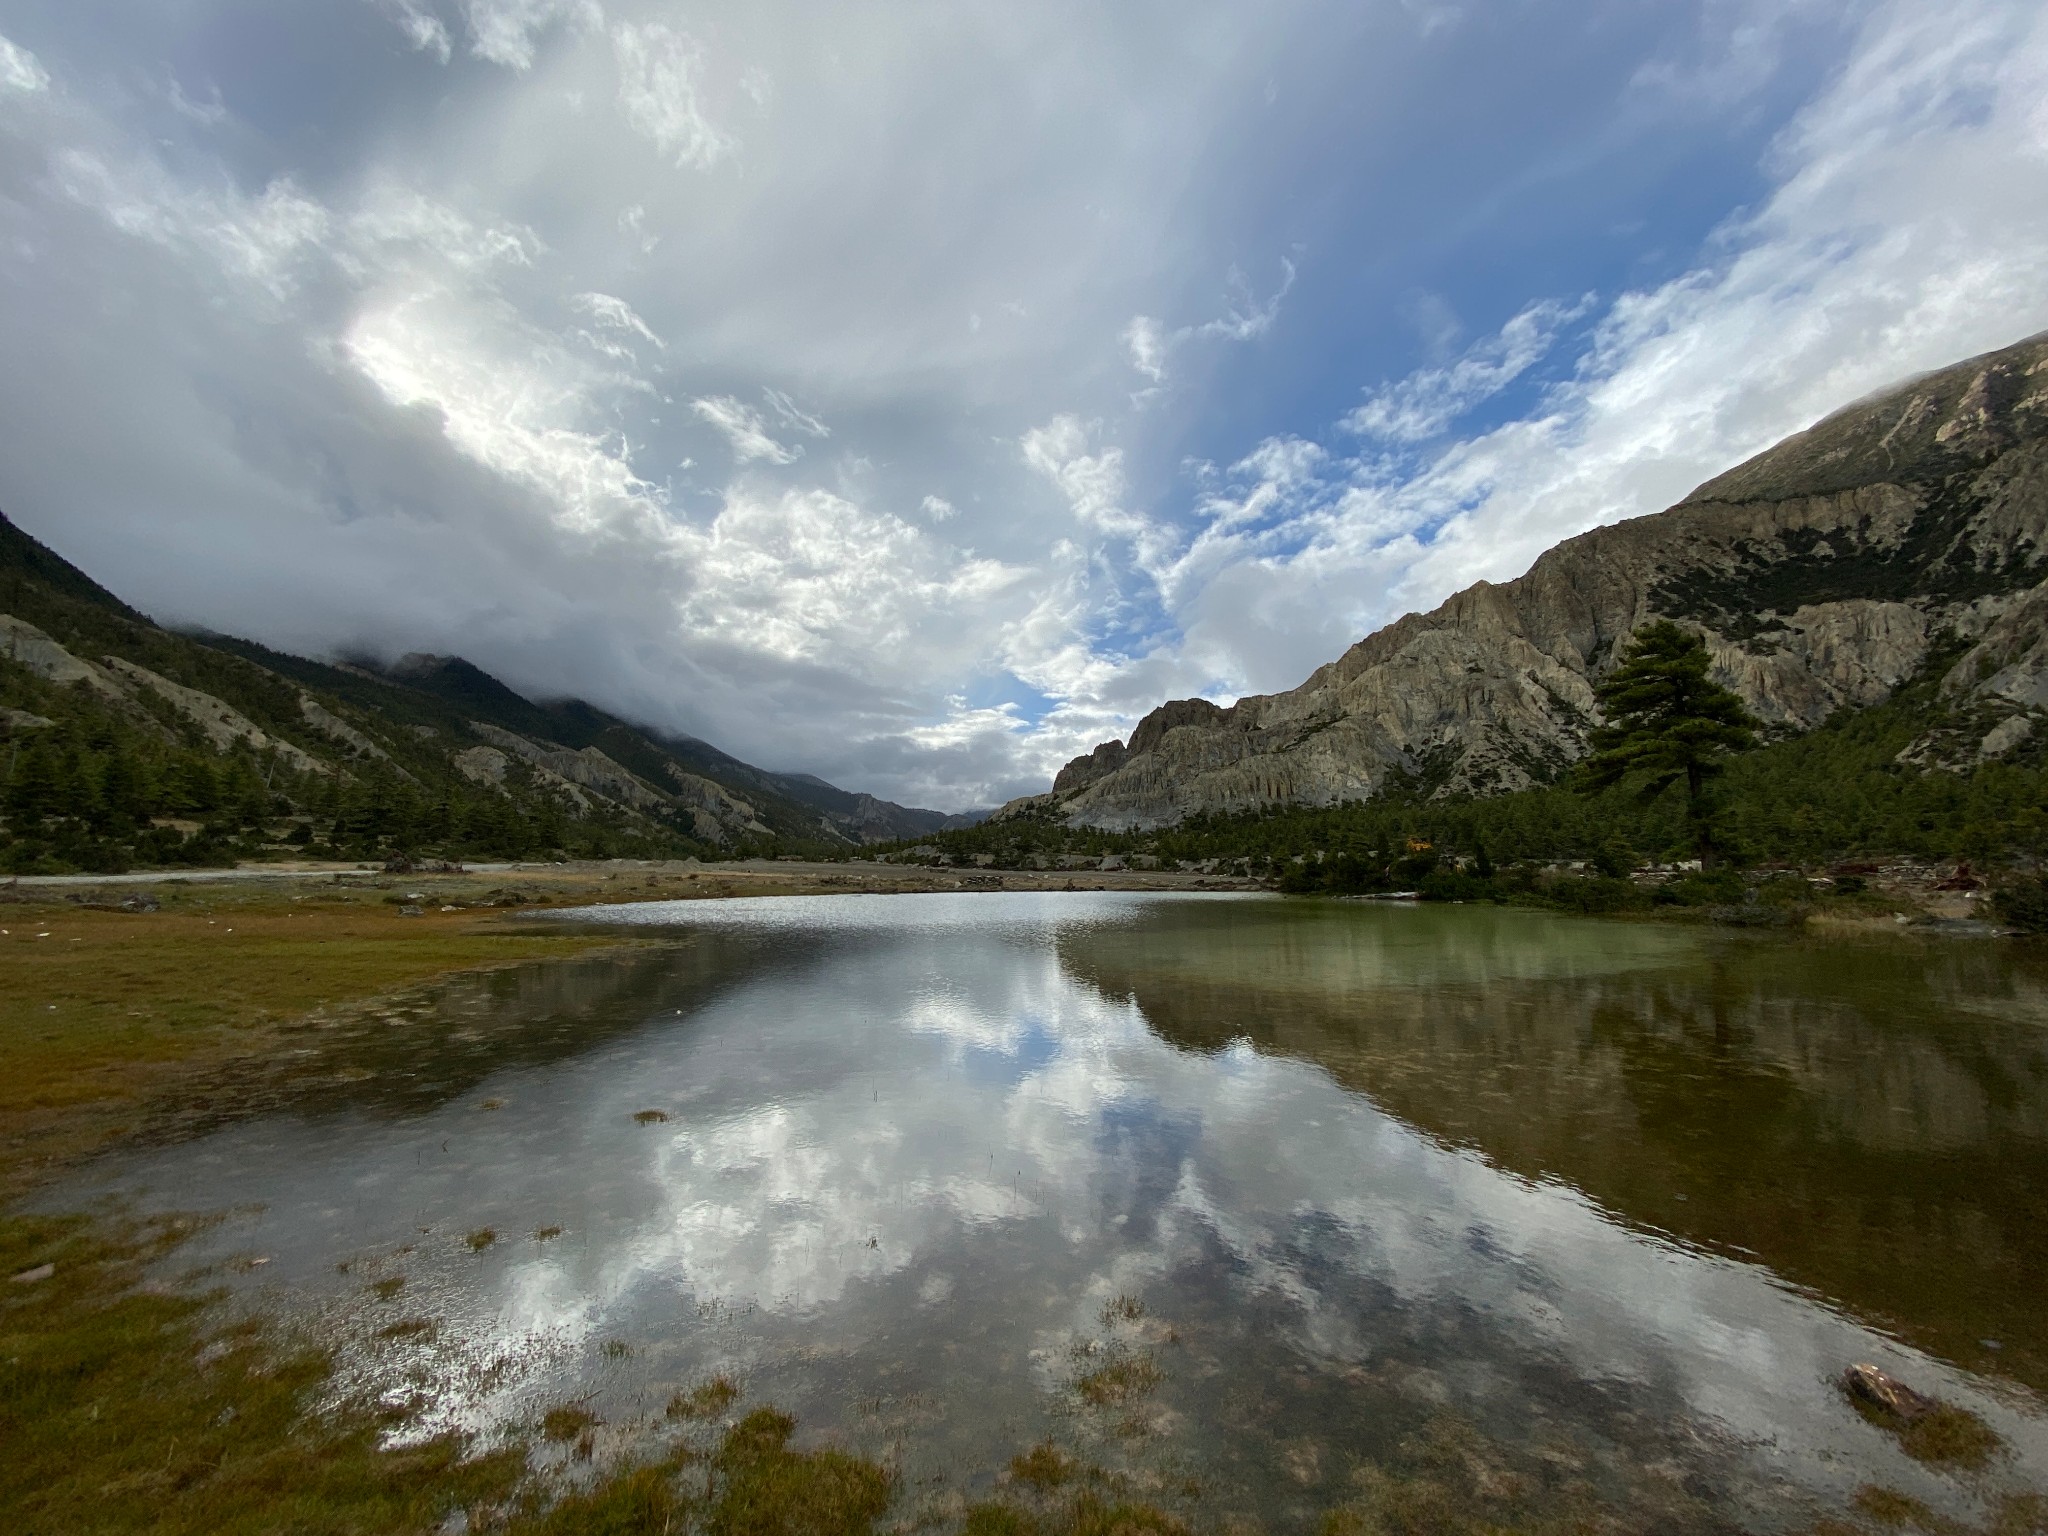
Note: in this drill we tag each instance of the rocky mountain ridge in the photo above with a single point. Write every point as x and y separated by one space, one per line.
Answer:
1823 573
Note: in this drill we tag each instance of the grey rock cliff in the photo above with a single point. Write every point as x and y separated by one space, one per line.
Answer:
1820 572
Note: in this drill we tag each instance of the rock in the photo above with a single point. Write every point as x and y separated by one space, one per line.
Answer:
336 729
31 1276
409 910
1885 1395
1083 771
141 901
2006 735
1819 572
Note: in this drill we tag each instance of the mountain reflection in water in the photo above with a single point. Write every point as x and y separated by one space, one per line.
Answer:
1605 1205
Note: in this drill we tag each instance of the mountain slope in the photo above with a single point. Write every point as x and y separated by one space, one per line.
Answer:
1823 574
430 752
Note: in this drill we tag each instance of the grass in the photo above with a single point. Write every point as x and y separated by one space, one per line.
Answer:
707 1400
481 1239
1044 1466
1943 1436
104 1011
1120 1381
566 1423
113 1424
122 1411
1123 1309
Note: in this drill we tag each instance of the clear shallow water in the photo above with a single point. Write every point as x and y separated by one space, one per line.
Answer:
1603 1207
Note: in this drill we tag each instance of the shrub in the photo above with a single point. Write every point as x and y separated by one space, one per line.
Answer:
2023 904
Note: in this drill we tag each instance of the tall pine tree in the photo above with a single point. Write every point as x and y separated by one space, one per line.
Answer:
1666 722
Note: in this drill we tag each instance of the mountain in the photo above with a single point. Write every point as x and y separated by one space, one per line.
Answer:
429 751
1908 530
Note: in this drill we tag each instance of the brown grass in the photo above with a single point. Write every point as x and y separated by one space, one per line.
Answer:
707 1400
1945 1436
566 1422
114 1009
1121 1380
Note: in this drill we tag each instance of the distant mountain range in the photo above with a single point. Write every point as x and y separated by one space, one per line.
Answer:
1909 530
425 721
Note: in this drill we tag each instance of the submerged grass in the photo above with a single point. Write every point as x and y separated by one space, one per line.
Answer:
1122 1380
125 1409
121 1411
118 1417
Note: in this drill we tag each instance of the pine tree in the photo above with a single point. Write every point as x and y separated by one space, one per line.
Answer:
1667 721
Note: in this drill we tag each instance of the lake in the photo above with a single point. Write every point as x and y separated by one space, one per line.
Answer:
1250 1201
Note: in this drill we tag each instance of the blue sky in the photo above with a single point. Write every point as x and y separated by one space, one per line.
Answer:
915 394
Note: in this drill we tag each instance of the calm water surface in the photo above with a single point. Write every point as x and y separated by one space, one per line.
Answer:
1602 1207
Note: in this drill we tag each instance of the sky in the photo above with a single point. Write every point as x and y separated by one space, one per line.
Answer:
915 394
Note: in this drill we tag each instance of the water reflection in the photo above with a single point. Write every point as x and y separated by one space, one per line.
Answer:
1870 1119
916 1146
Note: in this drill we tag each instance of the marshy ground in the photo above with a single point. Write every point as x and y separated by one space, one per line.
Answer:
128 1401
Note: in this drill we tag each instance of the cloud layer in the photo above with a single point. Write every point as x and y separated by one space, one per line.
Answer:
918 405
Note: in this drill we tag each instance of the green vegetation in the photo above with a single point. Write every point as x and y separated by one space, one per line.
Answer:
2023 903
123 1412
1837 794
118 1418
101 779
1668 723
106 1011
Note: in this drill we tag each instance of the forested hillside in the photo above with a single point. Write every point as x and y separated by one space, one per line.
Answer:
125 744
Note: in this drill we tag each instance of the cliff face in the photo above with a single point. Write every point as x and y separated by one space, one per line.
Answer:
1821 573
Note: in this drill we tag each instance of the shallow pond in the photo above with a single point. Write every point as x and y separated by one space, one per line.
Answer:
1253 1202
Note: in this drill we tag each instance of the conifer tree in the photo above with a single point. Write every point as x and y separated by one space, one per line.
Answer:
1667 721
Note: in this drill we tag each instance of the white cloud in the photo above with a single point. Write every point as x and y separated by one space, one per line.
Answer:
21 70
616 314
744 429
658 69
1245 318
1424 404
789 415
267 238
208 114
1092 483
504 31
401 367
1147 345
810 576
422 28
